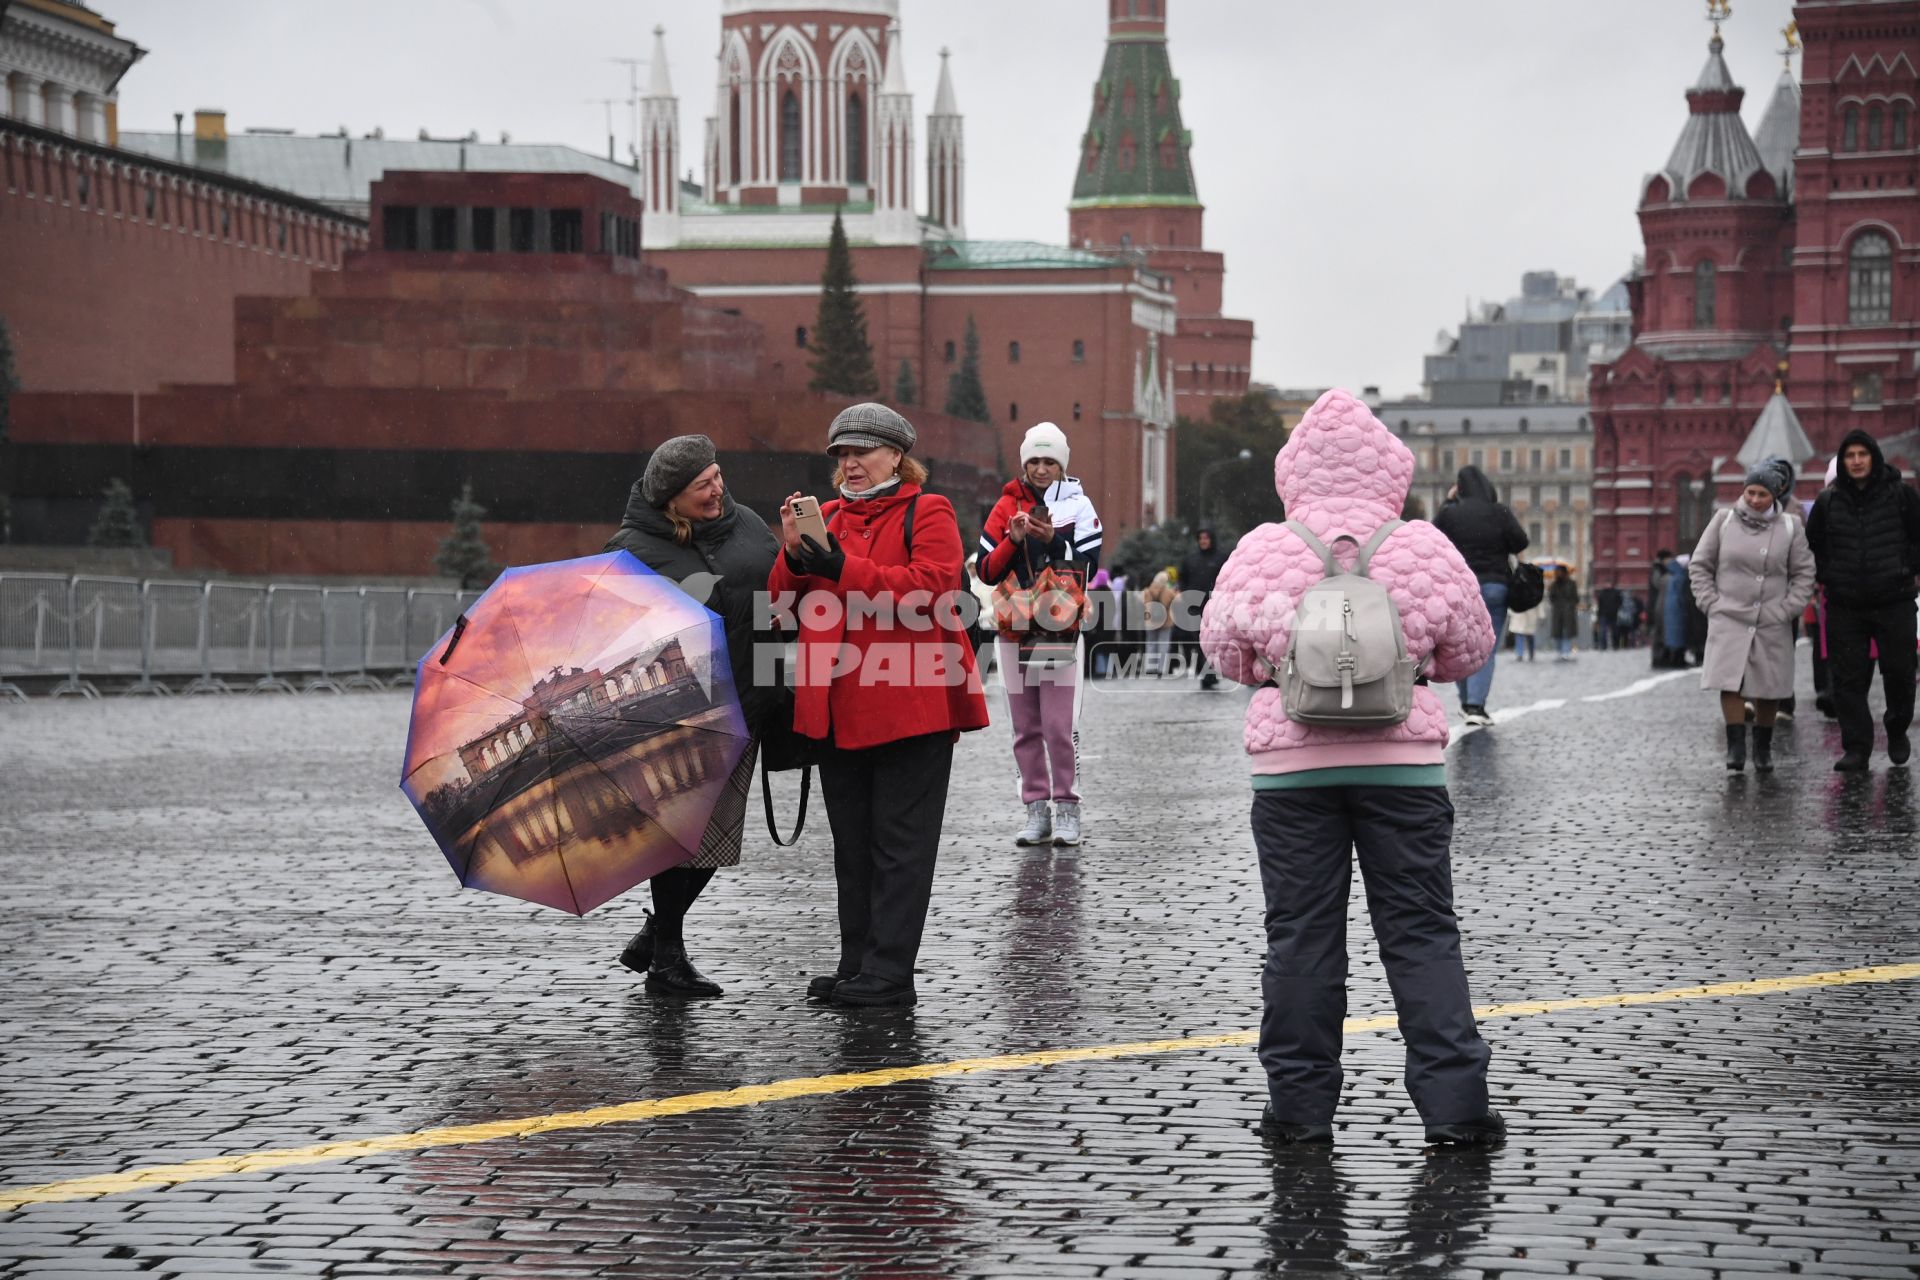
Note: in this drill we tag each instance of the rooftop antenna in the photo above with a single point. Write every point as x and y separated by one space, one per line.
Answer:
608 103
1718 11
1791 33
633 66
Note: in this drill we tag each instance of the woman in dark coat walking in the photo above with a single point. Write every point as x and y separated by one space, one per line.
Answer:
1563 607
1487 537
682 524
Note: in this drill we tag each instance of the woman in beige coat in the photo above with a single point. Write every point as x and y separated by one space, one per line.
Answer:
1752 574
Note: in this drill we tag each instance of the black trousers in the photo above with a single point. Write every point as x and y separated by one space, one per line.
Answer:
1306 839
1849 632
886 805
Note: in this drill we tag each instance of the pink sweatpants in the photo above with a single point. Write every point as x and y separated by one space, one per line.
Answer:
1041 707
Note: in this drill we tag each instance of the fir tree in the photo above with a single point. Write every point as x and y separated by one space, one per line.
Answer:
118 524
463 554
904 389
9 378
841 360
966 397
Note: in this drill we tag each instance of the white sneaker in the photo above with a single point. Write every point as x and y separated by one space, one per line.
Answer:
1039 828
1067 829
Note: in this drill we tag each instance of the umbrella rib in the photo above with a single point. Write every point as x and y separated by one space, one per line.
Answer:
580 623
619 789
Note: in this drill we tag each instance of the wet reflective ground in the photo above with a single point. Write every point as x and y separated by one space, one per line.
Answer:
227 932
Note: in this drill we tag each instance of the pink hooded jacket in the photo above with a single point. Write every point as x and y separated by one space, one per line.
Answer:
1343 472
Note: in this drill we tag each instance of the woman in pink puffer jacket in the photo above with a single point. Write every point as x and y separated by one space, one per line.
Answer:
1321 792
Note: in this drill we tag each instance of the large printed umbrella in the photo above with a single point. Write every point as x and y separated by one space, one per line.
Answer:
573 731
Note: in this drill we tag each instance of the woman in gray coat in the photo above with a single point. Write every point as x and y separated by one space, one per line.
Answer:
682 523
1752 574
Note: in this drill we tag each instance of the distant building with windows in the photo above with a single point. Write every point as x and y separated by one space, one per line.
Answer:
1507 393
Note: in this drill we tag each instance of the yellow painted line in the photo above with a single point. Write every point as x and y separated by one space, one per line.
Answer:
169 1175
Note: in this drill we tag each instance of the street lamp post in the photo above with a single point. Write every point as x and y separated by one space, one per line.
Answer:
1206 477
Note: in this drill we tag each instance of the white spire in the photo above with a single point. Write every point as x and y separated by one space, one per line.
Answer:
659 84
896 81
943 101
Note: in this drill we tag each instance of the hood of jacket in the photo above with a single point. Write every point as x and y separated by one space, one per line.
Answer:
652 521
1340 460
1471 484
1883 471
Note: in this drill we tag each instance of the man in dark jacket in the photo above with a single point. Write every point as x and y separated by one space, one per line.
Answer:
1199 569
1865 533
1487 536
1606 617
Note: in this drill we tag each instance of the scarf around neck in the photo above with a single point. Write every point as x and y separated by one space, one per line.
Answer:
1755 520
880 490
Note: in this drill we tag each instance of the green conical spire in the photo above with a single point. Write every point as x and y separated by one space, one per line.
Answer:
1135 149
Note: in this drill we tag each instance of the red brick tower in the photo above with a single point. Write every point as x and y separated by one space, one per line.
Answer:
1135 191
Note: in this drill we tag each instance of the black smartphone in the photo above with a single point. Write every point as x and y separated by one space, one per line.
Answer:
1040 512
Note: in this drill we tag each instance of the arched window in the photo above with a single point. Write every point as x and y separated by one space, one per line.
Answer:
856 139
1850 129
1876 127
1703 294
1901 112
733 137
1870 279
789 137
1126 152
1689 497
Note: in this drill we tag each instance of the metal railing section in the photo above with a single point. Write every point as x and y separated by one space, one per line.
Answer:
161 636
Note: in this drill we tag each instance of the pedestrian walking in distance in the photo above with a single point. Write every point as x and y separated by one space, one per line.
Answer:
1156 612
1752 573
1865 533
1563 605
682 523
1523 625
885 688
1198 570
1042 518
1321 792
1487 537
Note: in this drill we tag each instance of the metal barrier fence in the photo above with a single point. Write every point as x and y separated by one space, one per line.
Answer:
148 636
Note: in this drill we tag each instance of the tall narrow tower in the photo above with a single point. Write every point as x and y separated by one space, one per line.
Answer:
1134 192
946 159
894 219
659 147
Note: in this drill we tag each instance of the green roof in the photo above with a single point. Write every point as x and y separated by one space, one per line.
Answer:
990 255
1135 149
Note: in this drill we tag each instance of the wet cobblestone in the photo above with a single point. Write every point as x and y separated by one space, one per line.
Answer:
228 932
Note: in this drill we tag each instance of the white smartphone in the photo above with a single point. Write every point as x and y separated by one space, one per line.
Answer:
807 521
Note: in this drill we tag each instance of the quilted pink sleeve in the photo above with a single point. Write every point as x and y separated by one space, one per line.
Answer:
1239 626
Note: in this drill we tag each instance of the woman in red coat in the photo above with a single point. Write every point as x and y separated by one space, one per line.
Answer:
886 681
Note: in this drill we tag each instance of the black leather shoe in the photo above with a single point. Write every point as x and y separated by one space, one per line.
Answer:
1292 1135
1763 748
865 990
1736 747
1899 750
1850 763
673 974
821 988
639 953
1489 1130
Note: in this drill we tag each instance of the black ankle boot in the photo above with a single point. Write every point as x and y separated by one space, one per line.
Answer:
1763 748
638 955
1736 747
673 974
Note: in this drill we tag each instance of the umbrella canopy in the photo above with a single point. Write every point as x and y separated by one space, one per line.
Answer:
1547 564
573 731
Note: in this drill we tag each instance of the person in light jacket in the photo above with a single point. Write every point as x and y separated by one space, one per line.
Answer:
1752 574
1321 793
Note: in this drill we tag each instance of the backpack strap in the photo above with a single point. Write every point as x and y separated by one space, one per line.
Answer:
1380 535
906 530
1314 544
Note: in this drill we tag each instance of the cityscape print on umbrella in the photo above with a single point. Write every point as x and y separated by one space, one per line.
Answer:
568 787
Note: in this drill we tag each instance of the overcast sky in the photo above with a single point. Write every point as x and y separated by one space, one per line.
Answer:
1367 167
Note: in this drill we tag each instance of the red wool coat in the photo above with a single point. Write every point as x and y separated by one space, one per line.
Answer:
865 675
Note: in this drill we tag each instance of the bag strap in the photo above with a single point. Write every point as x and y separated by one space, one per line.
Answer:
766 801
1319 548
1314 545
1380 535
906 531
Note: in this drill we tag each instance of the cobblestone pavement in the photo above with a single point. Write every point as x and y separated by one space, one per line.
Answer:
227 932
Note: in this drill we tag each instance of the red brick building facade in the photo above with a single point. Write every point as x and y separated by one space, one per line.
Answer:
1791 259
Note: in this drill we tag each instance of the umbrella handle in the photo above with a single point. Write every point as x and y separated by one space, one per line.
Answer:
459 629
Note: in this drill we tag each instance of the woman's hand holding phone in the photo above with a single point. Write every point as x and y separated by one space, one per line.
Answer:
789 533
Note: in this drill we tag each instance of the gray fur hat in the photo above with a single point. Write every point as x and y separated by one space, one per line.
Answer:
868 426
676 464
1775 475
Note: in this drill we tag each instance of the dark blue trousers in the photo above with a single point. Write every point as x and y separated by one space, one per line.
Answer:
1306 839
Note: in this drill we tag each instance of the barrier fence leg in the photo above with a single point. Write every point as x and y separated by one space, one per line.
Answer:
361 679
146 684
271 683
73 684
204 682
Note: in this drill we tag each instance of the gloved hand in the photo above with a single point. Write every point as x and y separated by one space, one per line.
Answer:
822 562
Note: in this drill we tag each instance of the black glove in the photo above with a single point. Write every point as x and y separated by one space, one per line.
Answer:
822 562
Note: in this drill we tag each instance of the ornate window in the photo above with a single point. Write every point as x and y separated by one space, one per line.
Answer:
733 137
856 139
1870 279
1876 127
1690 508
1850 129
1703 294
789 136
1127 151
1901 112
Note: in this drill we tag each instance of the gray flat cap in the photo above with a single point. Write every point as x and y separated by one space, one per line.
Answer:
676 464
868 426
